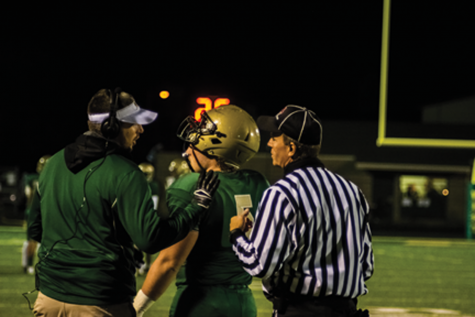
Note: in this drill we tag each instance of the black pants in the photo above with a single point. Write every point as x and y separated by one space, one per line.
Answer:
299 306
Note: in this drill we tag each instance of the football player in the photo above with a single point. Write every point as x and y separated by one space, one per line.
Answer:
158 197
212 282
30 246
177 168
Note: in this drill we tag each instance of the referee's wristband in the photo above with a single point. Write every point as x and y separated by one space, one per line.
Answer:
234 234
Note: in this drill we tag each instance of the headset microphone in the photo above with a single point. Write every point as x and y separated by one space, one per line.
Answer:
110 127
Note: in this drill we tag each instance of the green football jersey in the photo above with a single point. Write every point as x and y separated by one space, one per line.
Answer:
212 260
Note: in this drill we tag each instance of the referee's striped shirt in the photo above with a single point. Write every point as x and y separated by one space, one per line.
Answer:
310 236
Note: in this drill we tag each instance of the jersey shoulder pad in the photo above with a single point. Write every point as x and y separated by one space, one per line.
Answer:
185 182
255 175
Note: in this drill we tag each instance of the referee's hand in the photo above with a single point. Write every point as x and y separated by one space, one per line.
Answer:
241 222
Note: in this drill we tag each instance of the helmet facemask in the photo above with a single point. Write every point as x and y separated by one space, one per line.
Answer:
191 130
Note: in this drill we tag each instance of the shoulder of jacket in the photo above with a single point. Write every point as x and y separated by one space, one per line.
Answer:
122 161
185 181
251 173
121 169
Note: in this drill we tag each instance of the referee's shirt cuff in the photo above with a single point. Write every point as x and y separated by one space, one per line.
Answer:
235 234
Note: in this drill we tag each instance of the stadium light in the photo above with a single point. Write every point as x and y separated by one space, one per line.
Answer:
164 94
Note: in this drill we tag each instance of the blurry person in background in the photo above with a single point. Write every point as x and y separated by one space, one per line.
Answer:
212 282
30 183
158 196
149 172
177 168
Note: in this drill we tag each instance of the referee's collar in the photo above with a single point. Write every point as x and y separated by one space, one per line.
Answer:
300 163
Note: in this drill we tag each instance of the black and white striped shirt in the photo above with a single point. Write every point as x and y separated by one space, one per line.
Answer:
310 236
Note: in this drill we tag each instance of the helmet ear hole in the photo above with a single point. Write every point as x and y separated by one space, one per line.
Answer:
216 141
247 137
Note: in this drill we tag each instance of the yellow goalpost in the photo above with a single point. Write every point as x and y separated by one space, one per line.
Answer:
382 139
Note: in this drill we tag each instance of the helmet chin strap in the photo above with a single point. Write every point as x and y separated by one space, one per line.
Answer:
186 157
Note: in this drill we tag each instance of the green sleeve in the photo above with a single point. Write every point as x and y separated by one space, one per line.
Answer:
148 231
181 192
35 229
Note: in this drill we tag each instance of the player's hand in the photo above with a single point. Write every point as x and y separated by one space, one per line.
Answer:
207 185
241 222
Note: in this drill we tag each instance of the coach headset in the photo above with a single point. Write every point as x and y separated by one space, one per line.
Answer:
110 127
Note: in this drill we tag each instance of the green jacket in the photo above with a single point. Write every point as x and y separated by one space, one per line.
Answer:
92 210
212 260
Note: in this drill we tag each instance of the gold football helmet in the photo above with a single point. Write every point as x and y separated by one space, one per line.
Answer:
41 163
228 132
179 167
148 170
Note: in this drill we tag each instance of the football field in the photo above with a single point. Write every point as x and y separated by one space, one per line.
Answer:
413 277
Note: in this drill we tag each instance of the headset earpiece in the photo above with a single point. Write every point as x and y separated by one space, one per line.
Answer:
110 127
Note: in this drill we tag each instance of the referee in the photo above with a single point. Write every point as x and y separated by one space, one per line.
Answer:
311 242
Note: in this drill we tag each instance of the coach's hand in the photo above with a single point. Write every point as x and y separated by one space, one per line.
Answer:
207 185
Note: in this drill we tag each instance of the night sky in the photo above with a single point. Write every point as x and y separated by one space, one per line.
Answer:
325 56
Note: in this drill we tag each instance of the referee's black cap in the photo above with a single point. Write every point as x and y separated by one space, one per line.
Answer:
299 123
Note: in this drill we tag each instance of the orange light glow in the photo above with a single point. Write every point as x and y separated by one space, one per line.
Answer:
221 102
208 105
445 192
164 94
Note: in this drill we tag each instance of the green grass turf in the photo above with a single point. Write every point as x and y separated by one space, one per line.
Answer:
410 273
429 273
